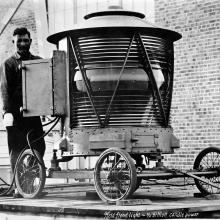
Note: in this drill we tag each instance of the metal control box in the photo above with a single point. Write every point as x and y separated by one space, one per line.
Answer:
44 86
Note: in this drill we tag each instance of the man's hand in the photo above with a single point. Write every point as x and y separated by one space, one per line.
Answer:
8 120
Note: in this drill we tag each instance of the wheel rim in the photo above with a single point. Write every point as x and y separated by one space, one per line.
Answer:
208 160
115 175
30 176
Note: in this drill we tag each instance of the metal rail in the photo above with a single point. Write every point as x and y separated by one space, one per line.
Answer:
88 174
13 14
173 174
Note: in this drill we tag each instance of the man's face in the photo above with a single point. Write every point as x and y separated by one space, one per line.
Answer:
22 43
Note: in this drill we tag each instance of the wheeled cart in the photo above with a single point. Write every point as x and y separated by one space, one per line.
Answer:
110 81
116 175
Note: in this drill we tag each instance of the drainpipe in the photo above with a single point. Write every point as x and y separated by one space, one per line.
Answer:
14 12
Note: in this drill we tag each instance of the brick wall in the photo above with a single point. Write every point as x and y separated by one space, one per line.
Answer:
23 17
196 94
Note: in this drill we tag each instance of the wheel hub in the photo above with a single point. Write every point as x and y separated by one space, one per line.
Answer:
115 176
29 174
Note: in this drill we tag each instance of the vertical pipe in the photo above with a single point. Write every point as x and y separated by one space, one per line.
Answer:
47 13
75 11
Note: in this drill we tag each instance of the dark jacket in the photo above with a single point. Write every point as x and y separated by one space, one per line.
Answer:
11 83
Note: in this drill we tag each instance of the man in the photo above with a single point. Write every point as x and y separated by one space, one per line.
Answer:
17 126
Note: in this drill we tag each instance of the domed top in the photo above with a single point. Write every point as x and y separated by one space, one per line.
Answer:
115 18
115 10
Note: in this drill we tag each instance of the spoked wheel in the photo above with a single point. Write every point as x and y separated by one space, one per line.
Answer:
208 160
115 175
31 175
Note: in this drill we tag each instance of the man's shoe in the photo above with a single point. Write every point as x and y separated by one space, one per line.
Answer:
4 191
17 195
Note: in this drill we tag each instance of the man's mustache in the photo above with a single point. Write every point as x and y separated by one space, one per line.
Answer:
24 48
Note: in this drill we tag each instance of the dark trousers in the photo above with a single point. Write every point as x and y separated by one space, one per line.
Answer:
17 137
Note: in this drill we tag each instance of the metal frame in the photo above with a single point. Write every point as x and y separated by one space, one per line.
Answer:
85 79
147 66
148 69
147 174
